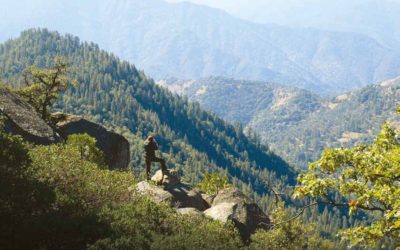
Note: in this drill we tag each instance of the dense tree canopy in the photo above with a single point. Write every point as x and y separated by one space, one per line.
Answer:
213 183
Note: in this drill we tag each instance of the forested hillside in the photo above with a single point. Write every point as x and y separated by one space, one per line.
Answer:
295 123
116 94
243 101
342 121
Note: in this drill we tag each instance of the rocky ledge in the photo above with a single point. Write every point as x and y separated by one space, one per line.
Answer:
229 205
22 119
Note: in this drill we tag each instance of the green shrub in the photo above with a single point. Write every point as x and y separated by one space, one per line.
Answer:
78 181
142 224
31 217
212 183
86 145
199 232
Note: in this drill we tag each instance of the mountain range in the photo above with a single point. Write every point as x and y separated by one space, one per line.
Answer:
296 123
189 41
378 19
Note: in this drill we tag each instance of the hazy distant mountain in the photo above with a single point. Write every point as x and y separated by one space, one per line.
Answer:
379 19
189 41
296 123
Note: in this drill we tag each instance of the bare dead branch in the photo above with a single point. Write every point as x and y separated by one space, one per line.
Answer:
297 215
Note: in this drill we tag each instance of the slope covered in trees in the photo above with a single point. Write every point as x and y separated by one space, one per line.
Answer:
295 123
117 95
342 121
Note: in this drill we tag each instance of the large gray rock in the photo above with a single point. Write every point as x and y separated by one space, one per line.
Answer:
208 198
223 212
184 196
230 195
179 195
228 205
22 119
171 178
114 146
232 204
155 193
189 211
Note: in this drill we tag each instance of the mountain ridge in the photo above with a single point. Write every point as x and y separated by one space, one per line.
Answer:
190 41
296 123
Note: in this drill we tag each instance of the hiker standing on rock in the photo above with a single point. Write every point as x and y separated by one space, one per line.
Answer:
150 147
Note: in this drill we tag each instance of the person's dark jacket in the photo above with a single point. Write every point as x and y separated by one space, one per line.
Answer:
150 148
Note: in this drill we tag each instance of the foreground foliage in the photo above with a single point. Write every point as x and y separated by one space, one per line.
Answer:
367 177
52 198
150 226
289 234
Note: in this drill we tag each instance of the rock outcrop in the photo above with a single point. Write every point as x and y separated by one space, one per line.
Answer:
229 204
189 211
22 119
184 196
114 146
232 204
155 193
230 195
169 180
207 198
223 212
